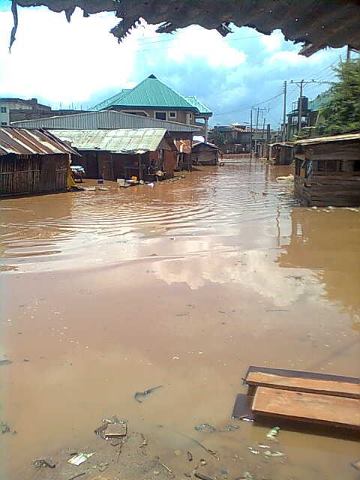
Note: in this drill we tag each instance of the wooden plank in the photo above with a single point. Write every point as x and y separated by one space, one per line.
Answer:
304 381
307 407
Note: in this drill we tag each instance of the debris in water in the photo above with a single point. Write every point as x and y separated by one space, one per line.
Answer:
205 427
269 453
144 441
77 475
246 418
356 465
5 361
80 458
202 476
261 445
208 450
115 430
168 469
140 396
254 451
230 428
4 428
273 433
246 476
43 463
189 456
102 467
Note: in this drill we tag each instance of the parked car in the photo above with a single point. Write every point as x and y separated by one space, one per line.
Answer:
78 172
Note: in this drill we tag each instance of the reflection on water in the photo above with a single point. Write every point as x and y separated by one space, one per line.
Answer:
185 285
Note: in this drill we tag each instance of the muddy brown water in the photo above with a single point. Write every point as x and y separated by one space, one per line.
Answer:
105 293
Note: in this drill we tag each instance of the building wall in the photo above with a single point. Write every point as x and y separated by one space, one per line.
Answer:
205 156
182 116
18 109
330 174
4 115
33 174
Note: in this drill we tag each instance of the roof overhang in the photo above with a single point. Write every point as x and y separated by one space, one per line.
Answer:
316 24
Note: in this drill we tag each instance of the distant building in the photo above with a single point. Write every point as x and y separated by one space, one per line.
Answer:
237 138
152 98
17 109
310 114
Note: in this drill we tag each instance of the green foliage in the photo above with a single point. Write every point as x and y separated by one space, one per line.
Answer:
342 112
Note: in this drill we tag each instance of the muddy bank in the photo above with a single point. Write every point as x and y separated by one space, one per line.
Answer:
183 285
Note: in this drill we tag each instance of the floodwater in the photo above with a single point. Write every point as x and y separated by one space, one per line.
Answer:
105 293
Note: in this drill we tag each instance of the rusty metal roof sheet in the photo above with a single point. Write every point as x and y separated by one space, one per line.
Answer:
316 23
140 140
22 141
346 137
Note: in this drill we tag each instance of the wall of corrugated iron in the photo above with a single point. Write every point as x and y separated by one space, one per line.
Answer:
106 119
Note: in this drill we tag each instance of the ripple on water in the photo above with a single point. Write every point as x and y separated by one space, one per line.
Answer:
205 203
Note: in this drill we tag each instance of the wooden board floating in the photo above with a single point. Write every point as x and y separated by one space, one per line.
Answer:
311 385
307 407
311 397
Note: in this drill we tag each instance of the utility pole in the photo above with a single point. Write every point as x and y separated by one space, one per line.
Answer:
251 132
301 84
348 53
256 129
300 106
284 113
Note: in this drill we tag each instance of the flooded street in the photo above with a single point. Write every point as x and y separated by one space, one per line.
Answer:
105 293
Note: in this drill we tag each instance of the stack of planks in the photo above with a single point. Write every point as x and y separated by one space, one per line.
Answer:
330 400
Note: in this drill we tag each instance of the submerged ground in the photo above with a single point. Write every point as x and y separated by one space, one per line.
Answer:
105 293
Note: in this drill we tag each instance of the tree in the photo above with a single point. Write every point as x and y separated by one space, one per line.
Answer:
342 112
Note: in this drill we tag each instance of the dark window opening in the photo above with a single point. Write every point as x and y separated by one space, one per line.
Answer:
160 115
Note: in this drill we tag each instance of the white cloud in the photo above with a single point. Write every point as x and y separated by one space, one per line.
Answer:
273 42
197 43
61 61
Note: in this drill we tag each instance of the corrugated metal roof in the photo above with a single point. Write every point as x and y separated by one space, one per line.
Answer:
106 119
203 109
20 141
150 93
334 138
117 141
196 145
114 100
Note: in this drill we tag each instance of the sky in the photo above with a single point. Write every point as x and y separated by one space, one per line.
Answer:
80 64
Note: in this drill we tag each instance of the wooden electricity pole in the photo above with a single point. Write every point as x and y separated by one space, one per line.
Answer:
284 113
251 131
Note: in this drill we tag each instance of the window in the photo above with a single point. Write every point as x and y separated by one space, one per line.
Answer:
139 112
172 114
3 123
160 115
3 109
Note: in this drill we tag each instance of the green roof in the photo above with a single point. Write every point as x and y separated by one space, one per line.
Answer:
203 109
112 100
151 93
320 101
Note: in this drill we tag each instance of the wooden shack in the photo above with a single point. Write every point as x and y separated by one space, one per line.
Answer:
327 170
32 162
124 153
281 153
204 153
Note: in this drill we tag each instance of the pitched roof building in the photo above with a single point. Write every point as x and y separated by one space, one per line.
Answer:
152 98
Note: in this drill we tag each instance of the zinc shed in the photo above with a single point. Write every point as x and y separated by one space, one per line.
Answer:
32 162
327 170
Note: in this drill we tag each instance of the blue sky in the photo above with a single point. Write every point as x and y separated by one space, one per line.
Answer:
81 63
